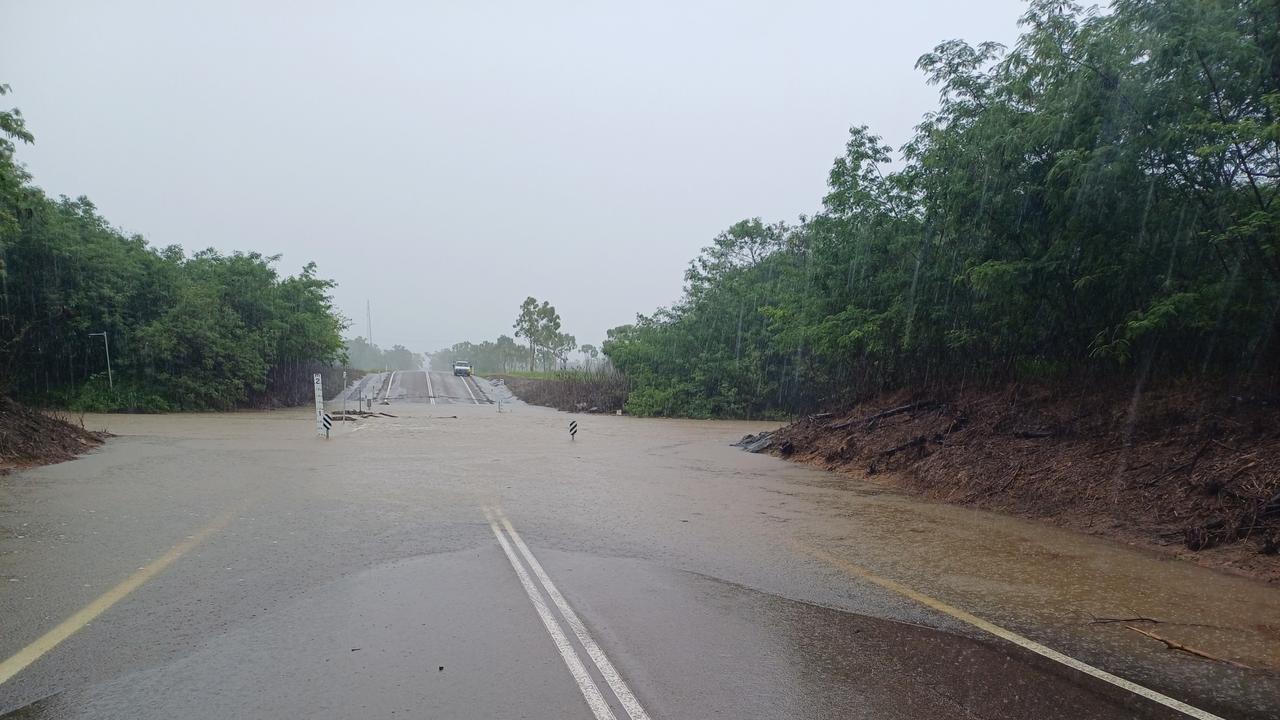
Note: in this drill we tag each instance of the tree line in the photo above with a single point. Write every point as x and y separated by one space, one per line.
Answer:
364 355
184 332
1097 202
544 345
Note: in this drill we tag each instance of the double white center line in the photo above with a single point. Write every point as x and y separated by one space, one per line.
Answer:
590 691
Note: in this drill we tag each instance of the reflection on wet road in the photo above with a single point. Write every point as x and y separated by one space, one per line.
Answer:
479 564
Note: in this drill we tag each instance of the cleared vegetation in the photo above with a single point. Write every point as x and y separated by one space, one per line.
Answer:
1182 468
31 437
600 391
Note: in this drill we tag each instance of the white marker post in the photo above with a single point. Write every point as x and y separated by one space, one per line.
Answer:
320 429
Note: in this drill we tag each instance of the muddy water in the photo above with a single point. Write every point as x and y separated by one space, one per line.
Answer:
673 492
1029 574
1009 567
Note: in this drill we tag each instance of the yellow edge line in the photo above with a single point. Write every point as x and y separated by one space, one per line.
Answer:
1008 635
29 654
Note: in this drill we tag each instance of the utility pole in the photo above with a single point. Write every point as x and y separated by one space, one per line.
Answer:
106 346
368 319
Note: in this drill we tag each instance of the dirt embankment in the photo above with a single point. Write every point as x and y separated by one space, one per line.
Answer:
31 437
1190 471
572 391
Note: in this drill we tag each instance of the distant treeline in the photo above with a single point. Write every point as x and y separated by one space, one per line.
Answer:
363 355
544 345
206 331
488 357
1098 202
504 355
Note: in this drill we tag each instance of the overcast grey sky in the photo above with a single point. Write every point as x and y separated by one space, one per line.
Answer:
445 160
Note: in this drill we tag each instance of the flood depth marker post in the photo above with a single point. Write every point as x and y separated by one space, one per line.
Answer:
573 429
322 420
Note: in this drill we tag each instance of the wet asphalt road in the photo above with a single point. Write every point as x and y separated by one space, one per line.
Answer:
371 575
436 388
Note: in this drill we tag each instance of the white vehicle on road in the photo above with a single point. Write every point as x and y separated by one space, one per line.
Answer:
462 368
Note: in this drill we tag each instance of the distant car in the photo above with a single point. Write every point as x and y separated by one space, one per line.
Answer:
462 369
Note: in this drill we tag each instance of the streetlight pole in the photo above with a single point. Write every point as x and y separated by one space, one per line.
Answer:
111 383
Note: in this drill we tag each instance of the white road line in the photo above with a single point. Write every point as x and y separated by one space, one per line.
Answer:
387 395
588 686
1008 635
610 674
467 385
431 392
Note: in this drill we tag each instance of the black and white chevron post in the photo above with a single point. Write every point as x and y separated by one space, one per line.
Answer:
327 421
573 429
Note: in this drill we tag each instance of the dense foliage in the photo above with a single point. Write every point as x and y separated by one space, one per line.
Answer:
184 332
363 355
1099 200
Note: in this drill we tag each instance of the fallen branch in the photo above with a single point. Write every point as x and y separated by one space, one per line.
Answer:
1004 486
1172 645
1271 506
911 443
1240 472
1106 620
1188 466
1033 434
884 414
900 409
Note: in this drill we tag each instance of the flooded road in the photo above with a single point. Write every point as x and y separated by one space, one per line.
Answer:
454 561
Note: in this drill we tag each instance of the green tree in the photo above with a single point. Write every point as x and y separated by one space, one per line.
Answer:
540 325
206 331
528 325
1096 201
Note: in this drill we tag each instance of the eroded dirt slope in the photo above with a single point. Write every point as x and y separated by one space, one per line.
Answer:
31 437
1188 470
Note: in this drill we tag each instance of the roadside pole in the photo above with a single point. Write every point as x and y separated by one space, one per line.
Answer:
344 395
111 383
321 428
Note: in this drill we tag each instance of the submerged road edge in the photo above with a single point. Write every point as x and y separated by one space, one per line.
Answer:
65 629
1007 635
